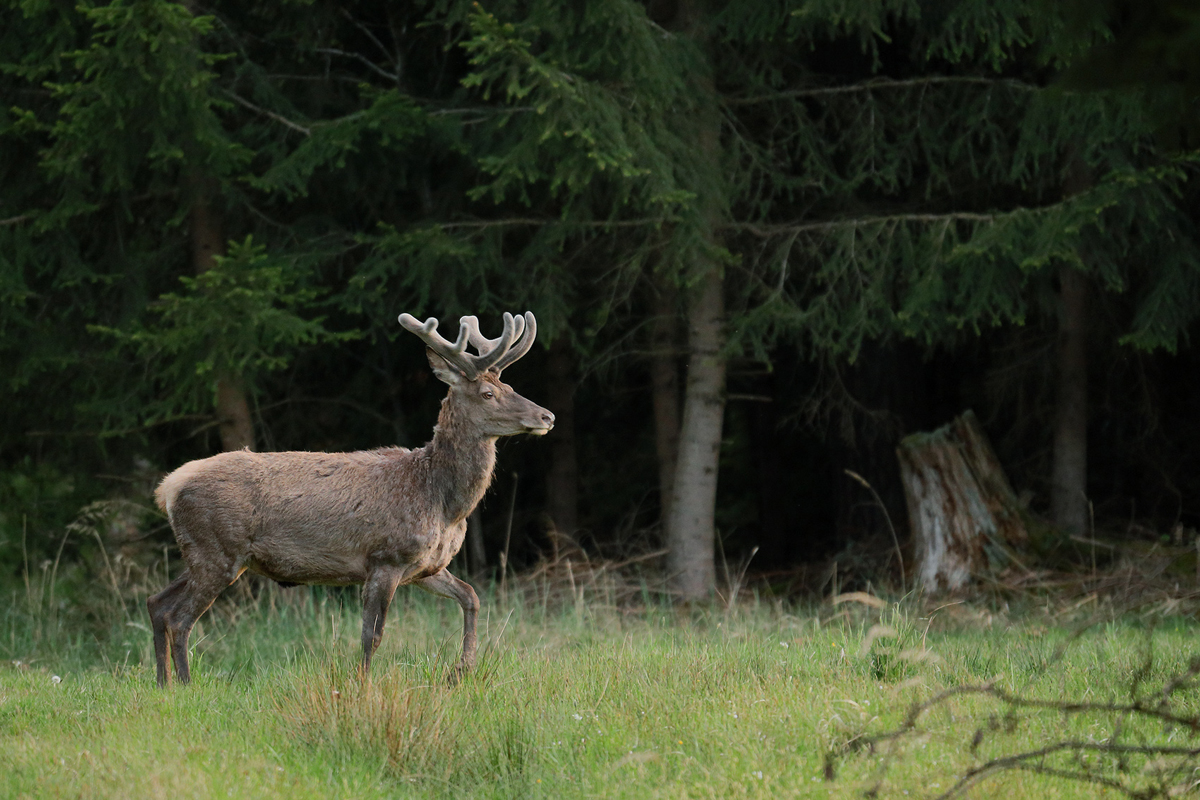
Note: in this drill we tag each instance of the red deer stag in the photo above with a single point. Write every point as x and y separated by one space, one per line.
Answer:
379 518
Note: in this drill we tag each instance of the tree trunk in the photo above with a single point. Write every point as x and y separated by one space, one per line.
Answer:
562 481
961 509
233 414
1068 491
691 531
664 390
233 411
691 526
1068 479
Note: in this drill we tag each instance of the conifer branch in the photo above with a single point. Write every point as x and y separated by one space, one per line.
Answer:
486 110
482 113
767 231
15 220
535 222
761 230
883 83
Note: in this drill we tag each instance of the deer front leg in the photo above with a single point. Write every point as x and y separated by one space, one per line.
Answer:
377 596
443 584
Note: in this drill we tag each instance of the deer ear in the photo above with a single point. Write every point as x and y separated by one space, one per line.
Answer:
444 370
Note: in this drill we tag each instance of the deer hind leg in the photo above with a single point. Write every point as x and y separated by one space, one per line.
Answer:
175 609
193 601
377 597
443 584
159 605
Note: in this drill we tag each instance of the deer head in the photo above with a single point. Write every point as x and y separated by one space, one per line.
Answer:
474 379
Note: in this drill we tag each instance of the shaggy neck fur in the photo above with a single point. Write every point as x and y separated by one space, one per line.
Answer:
461 460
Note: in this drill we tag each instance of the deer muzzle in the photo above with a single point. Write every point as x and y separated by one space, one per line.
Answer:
540 423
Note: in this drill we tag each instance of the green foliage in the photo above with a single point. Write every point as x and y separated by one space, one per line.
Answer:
933 205
34 498
141 100
242 317
1152 48
599 106
389 115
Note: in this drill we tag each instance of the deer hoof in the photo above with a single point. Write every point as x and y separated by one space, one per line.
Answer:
457 673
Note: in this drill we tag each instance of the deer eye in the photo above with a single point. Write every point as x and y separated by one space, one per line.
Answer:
488 394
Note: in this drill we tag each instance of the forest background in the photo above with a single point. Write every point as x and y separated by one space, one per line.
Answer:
764 241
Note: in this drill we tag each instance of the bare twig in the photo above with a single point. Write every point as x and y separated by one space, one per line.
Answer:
535 222
391 76
241 101
764 230
883 83
1153 706
483 111
768 230
122 431
370 36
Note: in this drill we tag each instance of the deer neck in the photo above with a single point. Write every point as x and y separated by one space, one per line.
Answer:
461 460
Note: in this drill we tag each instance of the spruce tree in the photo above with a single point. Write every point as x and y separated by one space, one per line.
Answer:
885 170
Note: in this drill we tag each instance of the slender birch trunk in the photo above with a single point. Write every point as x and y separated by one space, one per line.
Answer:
691 529
691 526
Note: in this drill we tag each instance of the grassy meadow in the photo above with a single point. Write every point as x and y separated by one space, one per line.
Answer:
585 698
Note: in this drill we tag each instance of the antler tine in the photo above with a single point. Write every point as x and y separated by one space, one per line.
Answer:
522 347
453 352
484 361
481 343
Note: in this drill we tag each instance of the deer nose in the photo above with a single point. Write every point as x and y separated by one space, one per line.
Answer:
548 418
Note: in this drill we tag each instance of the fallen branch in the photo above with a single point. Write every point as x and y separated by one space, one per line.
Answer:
1142 769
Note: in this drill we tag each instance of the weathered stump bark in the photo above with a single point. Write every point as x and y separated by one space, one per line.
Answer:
961 508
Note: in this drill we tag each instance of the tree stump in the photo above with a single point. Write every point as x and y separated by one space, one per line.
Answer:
962 511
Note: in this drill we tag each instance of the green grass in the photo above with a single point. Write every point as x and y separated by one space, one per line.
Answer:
585 701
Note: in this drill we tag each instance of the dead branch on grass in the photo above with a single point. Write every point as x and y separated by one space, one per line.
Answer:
1138 770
